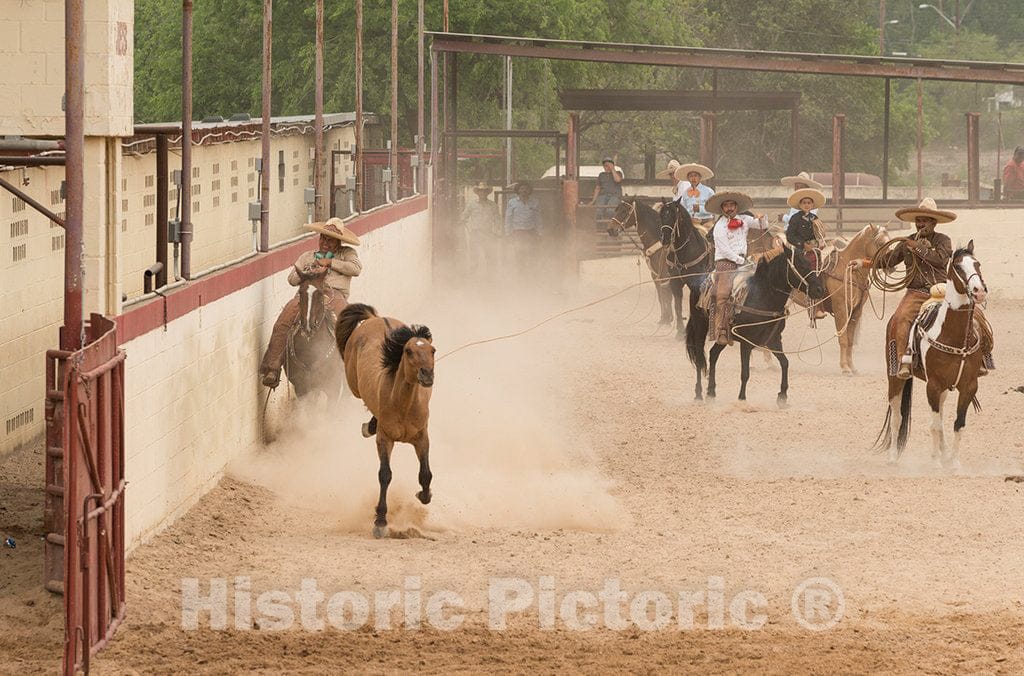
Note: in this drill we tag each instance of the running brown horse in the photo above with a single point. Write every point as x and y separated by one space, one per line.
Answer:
311 358
390 366
949 343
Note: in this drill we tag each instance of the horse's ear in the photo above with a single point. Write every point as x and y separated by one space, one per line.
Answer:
970 247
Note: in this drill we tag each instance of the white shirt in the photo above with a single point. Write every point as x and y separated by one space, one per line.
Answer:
731 245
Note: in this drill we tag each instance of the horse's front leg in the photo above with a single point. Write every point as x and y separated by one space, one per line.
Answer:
936 399
716 350
665 301
384 446
745 350
776 347
966 396
677 303
422 446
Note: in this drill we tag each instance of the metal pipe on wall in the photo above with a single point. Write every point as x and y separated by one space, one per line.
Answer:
359 106
319 212
30 144
393 160
973 157
885 140
73 335
27 199
268 18
186 140
162 207
920 141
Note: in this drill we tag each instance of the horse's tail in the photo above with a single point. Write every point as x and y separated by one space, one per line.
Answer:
884 438
348 320
905 410
696 334
976 403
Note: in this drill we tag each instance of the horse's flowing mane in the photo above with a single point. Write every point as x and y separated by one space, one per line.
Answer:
349 320
394 344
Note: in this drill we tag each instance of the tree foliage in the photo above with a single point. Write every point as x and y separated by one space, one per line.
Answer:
228 56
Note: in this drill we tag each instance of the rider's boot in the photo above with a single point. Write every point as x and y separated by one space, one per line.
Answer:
904 372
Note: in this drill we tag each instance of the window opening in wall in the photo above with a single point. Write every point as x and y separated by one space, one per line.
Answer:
280 171
150 219
124 225
17 204
234 197
149 200
196 189
195 172
26 417
234 181
216 201
57 243
195 207
19 252
252 176
124 185
19 228
124 205
55 197
215 185
149 180
216 167
234 165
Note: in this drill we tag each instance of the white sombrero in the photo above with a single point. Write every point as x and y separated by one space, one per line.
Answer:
802 177
927 208
814 194
336 229
684 169
743 201
669 171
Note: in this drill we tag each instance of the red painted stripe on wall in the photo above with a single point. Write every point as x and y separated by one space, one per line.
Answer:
147 316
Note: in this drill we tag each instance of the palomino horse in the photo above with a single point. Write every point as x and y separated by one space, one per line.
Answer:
634 214
846 288
949 351
762 317
390 366
311 359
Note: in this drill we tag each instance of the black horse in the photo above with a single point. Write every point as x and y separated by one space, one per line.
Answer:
760 320
691 258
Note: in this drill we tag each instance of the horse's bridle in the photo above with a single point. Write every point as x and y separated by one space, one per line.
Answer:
672 240
631 215
956 274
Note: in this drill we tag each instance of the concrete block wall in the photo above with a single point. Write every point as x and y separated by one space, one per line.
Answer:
192 392
32 76
120 227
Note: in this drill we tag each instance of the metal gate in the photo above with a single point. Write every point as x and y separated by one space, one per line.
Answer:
85 512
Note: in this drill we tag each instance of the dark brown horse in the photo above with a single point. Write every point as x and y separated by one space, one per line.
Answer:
311 360
949 343
390 366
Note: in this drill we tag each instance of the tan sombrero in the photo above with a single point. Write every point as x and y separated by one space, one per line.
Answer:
669 171
684 169
926 208
336 229
481 187
743 201
814 194
802 177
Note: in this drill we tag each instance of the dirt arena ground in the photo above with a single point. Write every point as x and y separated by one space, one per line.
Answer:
576 454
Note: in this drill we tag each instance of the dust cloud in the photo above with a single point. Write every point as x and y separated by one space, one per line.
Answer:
505 452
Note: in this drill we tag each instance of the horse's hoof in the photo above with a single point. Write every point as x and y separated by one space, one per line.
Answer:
742 397
698 398
380 532
424 497
783 401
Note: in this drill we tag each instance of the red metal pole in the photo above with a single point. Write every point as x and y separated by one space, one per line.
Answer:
973 158
162 181
838 168
420 122
394 101
186 139
359 106
571 170
73 338
318 110
920 141
265 174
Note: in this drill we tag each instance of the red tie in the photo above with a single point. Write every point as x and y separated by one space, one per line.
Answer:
735 223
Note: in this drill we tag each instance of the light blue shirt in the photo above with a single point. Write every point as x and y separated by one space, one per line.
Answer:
690 203
522 214
786 217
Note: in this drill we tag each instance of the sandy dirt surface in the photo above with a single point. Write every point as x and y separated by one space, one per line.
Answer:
574 456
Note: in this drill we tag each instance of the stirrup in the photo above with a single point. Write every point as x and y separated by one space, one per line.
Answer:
904 372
